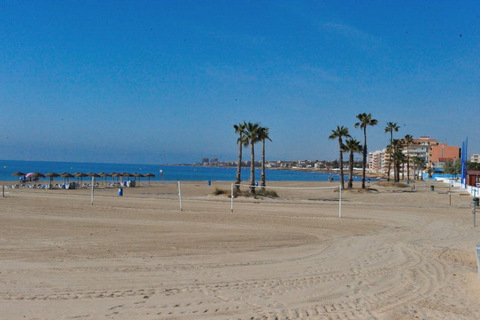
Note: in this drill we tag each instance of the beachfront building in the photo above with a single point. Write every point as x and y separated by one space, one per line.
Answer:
376 161
420 148
433 153
475 158
442 153
473 178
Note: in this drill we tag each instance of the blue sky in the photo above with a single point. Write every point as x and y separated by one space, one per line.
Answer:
164 81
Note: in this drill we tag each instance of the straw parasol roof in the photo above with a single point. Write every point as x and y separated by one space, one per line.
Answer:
79 175
66 175
34 175
18 173
51 175
93 174
149 175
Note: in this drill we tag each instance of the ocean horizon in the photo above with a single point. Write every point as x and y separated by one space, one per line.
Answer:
162 172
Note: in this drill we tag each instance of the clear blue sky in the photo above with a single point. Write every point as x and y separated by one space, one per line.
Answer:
164 81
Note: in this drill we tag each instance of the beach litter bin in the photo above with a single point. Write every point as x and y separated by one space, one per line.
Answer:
120 192
475 202
432 188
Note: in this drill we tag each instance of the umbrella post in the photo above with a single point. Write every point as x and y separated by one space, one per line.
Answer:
3 191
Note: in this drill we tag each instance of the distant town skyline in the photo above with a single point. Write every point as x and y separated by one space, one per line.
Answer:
165 81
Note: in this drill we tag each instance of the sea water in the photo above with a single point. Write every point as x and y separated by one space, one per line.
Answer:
161 172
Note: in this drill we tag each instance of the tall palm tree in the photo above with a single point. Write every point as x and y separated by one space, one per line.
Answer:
365 120
251 133
353 146
339 133
263 135
398 157
408 140
391 127
418 164
242 142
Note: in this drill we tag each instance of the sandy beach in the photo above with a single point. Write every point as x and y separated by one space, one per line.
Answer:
394 254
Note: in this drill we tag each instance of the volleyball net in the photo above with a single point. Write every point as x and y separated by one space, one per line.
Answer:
287 194
170 190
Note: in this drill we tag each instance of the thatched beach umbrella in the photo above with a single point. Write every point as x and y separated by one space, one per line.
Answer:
34 176
115 175
66 176
103 176
18 173
149 175
80 175
51 175
138 175
93 174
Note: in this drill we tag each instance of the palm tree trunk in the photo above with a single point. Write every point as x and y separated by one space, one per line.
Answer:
390 160
398 171
342 179
408 165
389 168
239 168
263 165
364 156
395 170
252 169
350 175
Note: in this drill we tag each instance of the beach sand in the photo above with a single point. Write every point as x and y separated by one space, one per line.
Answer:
395 254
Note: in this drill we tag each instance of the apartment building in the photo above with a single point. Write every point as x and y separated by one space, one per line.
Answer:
475 158
376 161
433 153
441 153
420 148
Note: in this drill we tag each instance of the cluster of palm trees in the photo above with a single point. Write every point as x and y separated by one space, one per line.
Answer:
396 155
248 135
395 149
353 146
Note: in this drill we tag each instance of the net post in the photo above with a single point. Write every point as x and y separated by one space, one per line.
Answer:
93 183
180 196
340 201
231 198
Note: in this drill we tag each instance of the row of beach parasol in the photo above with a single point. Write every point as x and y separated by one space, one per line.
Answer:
79 175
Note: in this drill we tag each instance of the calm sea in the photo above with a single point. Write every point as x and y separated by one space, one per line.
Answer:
170 173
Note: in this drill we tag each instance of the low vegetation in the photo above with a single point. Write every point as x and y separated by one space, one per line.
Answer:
392 184
258 193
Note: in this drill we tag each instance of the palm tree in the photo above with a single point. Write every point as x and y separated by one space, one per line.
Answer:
418 164
353 146
398 157
263 135
339 133
408 140
242 142
251 133
365 120
391 127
